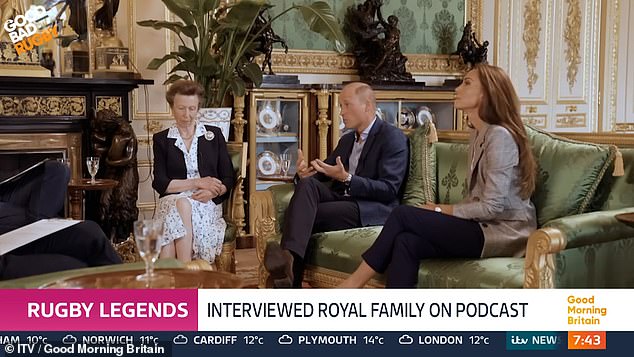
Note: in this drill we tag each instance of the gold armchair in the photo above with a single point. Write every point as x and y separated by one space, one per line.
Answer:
234 208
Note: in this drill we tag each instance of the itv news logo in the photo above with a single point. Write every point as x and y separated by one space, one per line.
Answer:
30 30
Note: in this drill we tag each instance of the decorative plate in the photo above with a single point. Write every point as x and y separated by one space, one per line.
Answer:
269 119
424 114
406 119
268 163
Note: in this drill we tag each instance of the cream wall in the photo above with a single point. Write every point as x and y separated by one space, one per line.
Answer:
150 110
568 60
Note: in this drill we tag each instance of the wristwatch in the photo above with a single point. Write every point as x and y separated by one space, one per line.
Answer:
438 209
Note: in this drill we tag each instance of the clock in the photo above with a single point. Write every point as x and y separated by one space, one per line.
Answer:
586 340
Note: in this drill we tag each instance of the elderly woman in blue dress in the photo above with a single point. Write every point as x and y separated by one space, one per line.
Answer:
193 175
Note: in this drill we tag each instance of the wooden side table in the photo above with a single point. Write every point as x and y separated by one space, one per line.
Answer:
170 278
76 190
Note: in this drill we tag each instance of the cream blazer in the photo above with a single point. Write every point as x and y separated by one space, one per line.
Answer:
494 193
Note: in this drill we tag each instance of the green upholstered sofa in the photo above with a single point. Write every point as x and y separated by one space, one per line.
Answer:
571 248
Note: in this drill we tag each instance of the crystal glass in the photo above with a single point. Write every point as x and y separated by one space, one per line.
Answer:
147 235
93 166
285 159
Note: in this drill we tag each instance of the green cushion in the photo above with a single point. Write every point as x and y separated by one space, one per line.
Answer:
569 173
236 161
230 233
281 194
451 171
617 192
472 273
420 186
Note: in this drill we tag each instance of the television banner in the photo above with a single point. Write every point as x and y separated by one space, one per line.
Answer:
335 321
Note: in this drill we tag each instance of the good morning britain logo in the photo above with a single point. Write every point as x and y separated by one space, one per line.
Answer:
30 30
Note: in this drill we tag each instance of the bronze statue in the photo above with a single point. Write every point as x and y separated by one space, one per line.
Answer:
376 43
267 39
104 16
114 141
469 49
264 42
391 66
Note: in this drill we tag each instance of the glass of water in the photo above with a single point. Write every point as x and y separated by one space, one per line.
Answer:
93 166
286 162
147 235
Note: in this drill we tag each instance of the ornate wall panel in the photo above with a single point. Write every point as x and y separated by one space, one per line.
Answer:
145 44
618 72
550 50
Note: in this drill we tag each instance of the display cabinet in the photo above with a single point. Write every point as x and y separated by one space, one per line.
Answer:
405 107
278 126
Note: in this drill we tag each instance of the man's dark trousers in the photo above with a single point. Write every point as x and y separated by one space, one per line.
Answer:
314 208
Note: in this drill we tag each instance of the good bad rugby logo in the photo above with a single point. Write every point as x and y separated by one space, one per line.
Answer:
24 32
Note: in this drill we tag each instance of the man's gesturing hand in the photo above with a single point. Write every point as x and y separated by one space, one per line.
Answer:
303 170
337 171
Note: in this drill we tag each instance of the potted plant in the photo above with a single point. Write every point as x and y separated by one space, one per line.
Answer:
219 42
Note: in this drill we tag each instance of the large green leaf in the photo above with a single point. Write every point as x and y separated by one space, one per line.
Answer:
187 53
321 19
155 63
238 87
253 72
188 5
242 15
186 66
190 31
177 27
210 5
173 78
179 10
